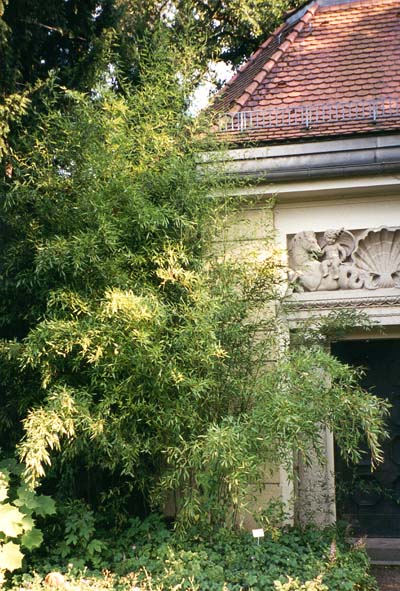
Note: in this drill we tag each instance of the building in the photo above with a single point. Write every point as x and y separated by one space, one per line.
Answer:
313 118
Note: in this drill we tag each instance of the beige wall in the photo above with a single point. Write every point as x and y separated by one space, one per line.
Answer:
353 203
348 212
318 212
249 235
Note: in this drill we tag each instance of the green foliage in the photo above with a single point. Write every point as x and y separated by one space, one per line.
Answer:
18 507
306 388
150 557
143 356
76 541
295 585
71 39
224 30
236 28
323 330
66 37
129 351
104 224
12 109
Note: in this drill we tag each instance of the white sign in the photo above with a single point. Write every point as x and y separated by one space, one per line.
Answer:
258 533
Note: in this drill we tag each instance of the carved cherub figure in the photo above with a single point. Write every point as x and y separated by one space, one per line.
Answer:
334 253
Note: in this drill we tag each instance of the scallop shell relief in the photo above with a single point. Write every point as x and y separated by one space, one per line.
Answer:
377 255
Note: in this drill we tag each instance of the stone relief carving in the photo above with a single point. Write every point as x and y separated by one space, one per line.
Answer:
340 259
377 254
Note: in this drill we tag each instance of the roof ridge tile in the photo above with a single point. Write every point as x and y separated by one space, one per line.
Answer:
272 61
249 62
253 56
342 63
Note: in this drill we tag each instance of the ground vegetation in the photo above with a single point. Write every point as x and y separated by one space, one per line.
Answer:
138 367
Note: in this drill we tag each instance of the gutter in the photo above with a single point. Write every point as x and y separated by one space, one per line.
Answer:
312 160
325 172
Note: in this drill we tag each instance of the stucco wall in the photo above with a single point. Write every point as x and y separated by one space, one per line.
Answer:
315 206
249 235
316 487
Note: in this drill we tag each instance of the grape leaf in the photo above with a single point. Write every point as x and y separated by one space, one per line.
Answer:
9 465
45 506
39 504
3 491
27 523
4 478
11 520
32 539
10 556
26 498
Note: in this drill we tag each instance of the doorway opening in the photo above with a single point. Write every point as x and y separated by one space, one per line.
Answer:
370 500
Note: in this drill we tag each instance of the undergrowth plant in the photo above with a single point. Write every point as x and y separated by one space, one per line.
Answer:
150 557
131 354
19 508
78 542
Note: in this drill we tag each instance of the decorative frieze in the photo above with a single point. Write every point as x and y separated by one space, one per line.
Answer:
361 303
342 259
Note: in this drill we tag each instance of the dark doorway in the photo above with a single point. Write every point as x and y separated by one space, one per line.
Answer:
370 501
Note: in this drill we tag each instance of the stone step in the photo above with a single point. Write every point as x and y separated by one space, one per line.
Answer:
383 551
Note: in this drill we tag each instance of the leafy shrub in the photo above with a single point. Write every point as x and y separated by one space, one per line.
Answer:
142 357
78 543
234 559
19 505
148 555
295 585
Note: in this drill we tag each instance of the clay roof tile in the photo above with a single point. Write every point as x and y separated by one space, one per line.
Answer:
330 50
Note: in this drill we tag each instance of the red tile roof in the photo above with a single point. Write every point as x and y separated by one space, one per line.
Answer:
336 64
